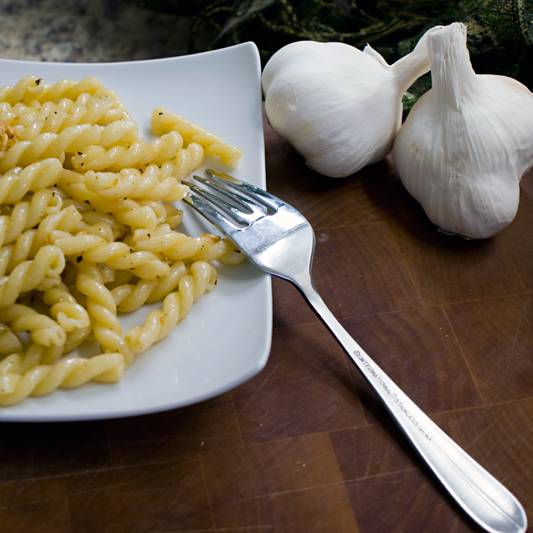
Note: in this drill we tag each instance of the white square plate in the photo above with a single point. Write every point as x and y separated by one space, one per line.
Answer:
225 339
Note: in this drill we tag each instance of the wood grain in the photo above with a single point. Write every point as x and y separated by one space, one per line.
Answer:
304 446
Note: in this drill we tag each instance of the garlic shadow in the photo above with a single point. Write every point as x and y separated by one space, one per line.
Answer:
407 217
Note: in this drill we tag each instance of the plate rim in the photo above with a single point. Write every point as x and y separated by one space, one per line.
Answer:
246 44
266 348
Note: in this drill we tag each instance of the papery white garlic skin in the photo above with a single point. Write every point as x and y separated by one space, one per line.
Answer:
338 106
466 143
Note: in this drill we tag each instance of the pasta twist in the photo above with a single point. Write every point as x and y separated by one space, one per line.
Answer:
173 216
27 214
145 214
31 88
91 217
72 89
74 339
21 361
68 313
130 297
16 183
133 184
7 112
8 136
9 342
117 255
102 310
71 139
49 262
67 219
42 329
86 100
175 307
66 373
55 117
13 254
178 246
136 155
23 91
164 122
29 242
187 160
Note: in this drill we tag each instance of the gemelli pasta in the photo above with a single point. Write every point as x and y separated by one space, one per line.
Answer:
88 230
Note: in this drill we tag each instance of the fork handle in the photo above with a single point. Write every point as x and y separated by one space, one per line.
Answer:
484 498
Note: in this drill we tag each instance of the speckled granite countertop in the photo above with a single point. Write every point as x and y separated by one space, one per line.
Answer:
87 30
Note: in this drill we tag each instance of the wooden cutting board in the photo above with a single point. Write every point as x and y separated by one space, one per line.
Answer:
304 446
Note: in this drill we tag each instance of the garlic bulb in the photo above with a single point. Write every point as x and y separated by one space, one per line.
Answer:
467 142
339 107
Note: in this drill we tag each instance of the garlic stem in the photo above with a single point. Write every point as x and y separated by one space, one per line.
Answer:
411 66
452 75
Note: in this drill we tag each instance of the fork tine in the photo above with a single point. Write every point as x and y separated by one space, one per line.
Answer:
209 211
235 199
268 200
213 197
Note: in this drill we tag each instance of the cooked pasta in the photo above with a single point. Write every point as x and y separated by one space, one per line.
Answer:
131 296
102 310
68 313
31 89
117 255
127 211
164 122
9 342
31 241
173 216
27 214
175 307
17 182
26 89
51 117
187 160
135 155
148 185
42 329
49 262
88 231
177 246
92 217
66 373
72 139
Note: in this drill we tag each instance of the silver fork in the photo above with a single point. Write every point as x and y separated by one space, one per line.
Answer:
279 240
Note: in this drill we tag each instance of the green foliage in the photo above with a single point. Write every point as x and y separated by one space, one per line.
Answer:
500 31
